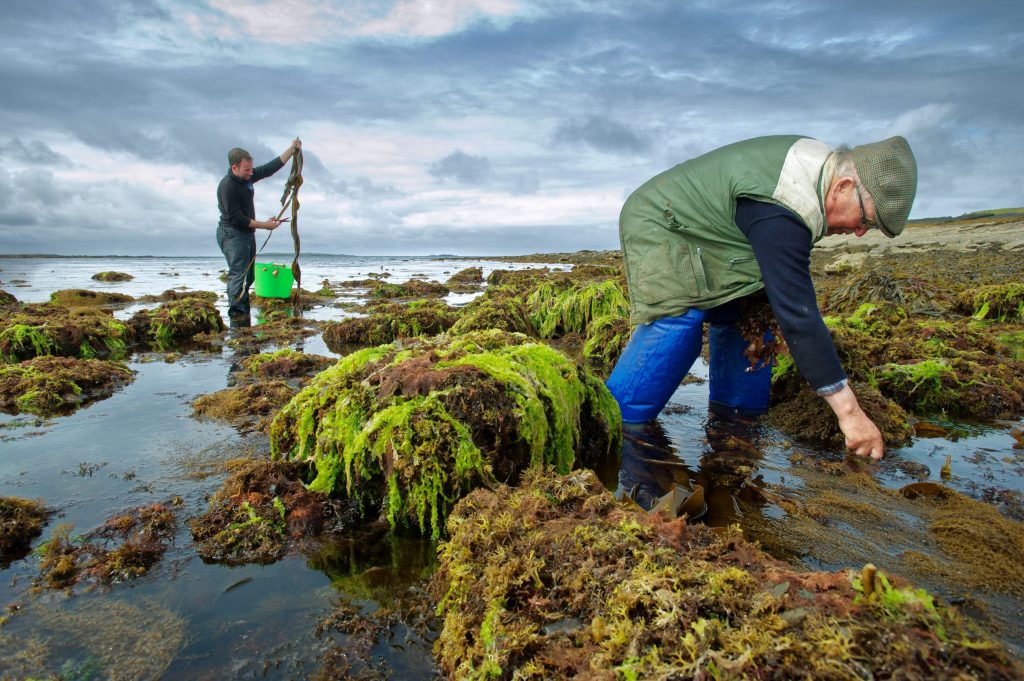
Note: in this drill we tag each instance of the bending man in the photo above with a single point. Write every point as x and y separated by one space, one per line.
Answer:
702 235
236 230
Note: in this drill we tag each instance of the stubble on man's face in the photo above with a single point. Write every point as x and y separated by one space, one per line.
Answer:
243 170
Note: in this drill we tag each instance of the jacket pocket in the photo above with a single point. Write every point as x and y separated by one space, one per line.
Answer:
676 273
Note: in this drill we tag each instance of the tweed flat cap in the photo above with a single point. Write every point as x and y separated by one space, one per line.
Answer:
888 171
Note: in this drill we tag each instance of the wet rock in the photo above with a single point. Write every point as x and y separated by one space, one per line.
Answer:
411 427
77 297
466 281
21 521
501 311
176 321
112 276
125 547
42 329
414 288
390 322
49 386
262 509
658 599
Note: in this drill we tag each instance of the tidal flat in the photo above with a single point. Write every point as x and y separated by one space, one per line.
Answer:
351 585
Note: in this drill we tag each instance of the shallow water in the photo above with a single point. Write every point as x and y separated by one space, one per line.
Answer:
142 445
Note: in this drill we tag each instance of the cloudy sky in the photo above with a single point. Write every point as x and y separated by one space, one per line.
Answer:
471 126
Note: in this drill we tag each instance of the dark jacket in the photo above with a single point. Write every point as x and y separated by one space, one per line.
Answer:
235 196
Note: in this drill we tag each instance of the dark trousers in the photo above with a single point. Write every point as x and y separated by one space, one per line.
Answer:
239 249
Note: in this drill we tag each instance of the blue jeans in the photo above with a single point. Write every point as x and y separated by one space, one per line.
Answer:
239 249
661 353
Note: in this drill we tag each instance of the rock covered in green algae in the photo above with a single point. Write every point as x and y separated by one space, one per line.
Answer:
80 297
245 406
43 329
171 294
570 306
607 337
54 385
177 320
259 511
410 427
414 288
126 546
390 322
995 301
21 521
285 364
495 310
112 276
555 579
466 280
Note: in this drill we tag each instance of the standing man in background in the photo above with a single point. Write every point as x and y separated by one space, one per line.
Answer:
236 230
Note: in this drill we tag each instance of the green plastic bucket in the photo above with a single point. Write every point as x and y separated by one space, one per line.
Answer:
273 280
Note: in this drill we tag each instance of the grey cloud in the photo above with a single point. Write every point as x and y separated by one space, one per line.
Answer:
525 183
602 134
463 168
33 152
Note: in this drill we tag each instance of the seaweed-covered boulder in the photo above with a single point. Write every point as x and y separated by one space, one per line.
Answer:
275 331
246 407
607 337
807 417
125 547
42 329
80 297
1004 302
8 301
21 521
414 288
171 294
495 311
56 385
285 364
563 307
177 320
411 427
112 276
556 580
521 281
390 322
259 512
467 280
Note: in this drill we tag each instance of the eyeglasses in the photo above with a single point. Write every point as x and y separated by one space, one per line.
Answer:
864 222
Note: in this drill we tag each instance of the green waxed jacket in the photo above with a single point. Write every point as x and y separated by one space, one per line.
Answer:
680 242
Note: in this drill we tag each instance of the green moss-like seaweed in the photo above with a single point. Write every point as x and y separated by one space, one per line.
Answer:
409 428
558 308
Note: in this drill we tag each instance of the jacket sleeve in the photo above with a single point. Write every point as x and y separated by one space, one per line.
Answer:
267 169
782 246
232 210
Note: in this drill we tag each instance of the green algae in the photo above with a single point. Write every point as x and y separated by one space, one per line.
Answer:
177 320
41 329
559 308
139 537
411 427
78 297
257 514
1004 302
414 288
467 280
285 364
555 579
606 339
58 385
390 322
21 521
112 276
493 310
247 407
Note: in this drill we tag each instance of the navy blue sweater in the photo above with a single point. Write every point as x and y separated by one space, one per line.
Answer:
782 245
235 195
